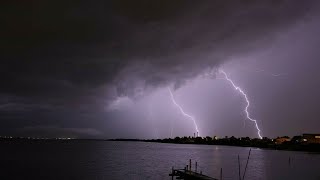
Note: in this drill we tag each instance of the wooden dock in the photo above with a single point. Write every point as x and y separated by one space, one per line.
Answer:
188 174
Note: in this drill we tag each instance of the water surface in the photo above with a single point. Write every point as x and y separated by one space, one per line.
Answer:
82 160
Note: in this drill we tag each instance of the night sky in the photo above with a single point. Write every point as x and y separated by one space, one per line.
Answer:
103 69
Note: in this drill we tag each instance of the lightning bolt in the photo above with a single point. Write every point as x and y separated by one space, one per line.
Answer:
247 100
182 111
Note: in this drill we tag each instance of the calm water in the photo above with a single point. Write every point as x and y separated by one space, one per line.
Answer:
139 160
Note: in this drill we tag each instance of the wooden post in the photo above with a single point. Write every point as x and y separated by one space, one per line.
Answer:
239 167
190 164
172 173
196 166
245 169
187 168
289 161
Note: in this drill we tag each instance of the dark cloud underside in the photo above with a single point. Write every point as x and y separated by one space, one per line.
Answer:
68 53
50 44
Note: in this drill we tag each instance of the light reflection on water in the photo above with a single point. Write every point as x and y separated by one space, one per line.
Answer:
139 160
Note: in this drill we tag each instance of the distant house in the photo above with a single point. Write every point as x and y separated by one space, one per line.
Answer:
310 138
280 140
296 139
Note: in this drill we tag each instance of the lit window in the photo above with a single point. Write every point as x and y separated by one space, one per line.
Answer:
304 139
318 137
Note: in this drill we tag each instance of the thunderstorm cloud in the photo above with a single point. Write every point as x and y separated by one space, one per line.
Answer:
70 63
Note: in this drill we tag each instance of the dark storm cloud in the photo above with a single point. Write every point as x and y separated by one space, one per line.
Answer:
68 54
64 48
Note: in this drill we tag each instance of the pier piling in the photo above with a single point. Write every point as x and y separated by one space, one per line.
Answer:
196 166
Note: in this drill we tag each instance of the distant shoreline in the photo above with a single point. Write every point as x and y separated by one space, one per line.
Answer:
286 146
255 143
